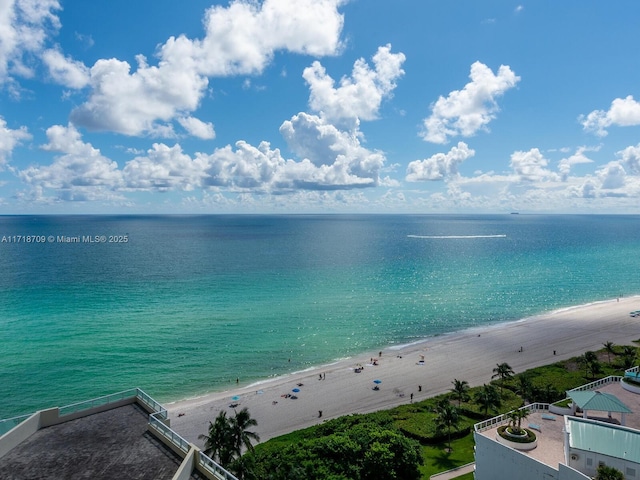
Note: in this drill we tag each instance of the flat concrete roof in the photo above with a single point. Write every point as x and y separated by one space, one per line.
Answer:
111 445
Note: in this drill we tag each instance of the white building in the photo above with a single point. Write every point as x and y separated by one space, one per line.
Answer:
568 447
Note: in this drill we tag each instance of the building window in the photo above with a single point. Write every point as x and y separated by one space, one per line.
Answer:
631 472
589 462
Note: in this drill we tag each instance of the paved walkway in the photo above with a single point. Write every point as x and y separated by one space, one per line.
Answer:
455 473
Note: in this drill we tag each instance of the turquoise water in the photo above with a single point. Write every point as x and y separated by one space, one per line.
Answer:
190 303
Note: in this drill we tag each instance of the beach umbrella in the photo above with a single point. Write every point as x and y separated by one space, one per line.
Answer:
377 382
295 390
235 398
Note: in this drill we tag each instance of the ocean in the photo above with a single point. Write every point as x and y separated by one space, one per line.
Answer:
185 305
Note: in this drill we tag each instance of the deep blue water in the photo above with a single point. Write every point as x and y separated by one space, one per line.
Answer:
190 303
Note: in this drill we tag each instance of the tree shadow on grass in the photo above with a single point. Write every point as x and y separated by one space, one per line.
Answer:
443 460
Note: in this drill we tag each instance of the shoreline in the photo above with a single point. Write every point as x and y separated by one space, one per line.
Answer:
393 347
556 335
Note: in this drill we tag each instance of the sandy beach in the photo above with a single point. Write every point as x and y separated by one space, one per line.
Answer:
470 355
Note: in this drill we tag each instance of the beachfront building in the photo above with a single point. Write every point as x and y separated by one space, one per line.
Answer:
569 445
123 435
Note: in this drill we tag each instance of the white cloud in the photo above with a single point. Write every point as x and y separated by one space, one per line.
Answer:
466 111
240 39
630 157
565 165
339 157
133 104
439 166
198 128
24 27
164 168
624 112
531 166
358 96
80 168
337 161
612 176
9 139
243 38
246 167
64 70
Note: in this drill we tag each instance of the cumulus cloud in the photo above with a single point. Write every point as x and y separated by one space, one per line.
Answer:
630 158
65 70
464 112
612 176
439 166
25 25
358 96
132 104
80 167
197 127
164 168
246 167
531 166
340 158
337 161
565 165
10 139
624 112
240 39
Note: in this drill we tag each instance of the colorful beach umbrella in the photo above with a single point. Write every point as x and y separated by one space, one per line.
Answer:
377 382
295 390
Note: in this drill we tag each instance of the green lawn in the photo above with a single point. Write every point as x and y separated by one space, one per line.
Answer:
437 459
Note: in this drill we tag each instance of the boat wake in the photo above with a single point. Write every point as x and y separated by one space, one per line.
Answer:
456 236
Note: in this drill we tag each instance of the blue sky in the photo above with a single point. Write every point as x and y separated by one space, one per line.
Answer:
305 106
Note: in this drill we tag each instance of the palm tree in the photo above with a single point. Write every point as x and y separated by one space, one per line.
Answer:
447 417
628 356
525 387
548 394
227 437
216 443
591 364
460 390
515 419
488 398
240 436
502 371
610 348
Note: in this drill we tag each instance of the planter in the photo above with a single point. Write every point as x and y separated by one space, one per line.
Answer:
629 387
521 436
515 444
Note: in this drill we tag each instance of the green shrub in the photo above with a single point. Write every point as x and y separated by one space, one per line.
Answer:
531 437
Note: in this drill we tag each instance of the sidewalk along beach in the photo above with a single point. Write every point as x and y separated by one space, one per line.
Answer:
419 370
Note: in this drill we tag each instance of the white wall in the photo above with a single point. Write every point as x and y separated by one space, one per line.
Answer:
499 462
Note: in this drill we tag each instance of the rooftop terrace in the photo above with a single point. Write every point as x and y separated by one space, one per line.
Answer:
112 444
550 449
111 437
